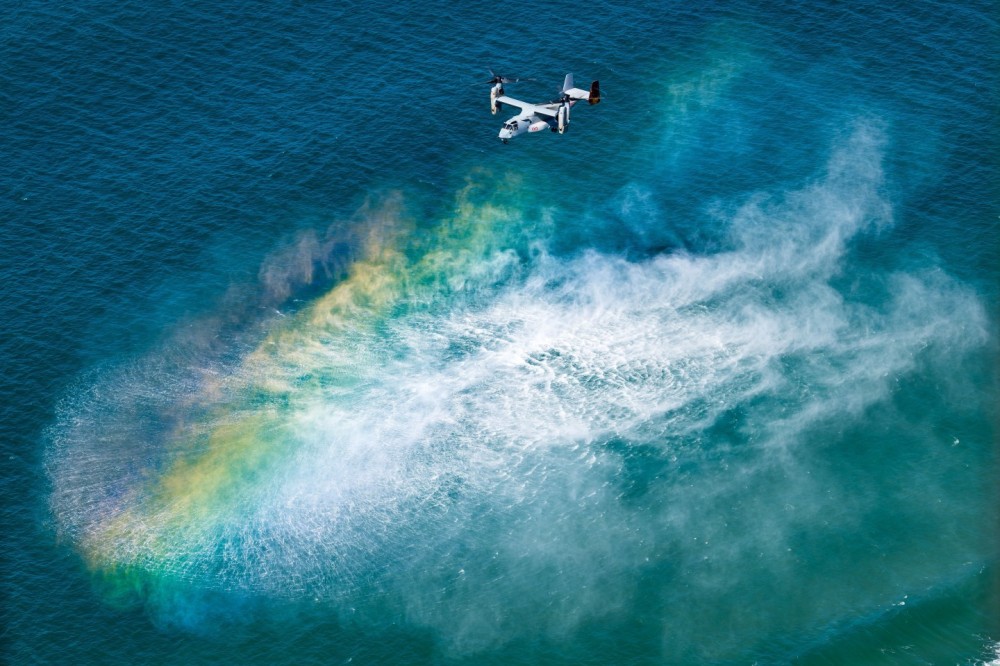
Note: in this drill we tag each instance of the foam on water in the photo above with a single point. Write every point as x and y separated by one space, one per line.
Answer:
495 440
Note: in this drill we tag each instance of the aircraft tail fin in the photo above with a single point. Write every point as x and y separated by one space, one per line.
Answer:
595 93
567 82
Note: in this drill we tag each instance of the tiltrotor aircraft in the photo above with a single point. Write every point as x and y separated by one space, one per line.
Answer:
536 117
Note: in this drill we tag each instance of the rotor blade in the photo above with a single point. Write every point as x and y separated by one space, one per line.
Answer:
500 78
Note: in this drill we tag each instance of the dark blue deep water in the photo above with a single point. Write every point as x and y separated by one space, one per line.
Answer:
300 364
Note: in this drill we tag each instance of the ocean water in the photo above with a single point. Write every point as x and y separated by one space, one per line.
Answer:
302 365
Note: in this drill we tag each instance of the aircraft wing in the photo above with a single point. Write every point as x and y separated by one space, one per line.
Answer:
543 110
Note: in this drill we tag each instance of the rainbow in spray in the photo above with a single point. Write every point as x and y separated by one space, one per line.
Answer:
204 482
467 426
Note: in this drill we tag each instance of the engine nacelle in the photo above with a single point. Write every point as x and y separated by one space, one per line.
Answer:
495 92
562 118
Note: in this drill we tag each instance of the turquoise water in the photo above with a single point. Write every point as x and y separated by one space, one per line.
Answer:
302 365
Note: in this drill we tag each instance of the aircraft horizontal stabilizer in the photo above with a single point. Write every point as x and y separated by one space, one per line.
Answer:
593 96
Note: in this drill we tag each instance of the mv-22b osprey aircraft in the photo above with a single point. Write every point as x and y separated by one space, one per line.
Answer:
536 117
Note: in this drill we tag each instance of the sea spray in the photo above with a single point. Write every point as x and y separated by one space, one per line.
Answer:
491 440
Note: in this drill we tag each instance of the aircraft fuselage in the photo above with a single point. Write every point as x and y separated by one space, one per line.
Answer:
528 123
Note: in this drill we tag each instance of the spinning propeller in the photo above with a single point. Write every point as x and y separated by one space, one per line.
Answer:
501 79
497 82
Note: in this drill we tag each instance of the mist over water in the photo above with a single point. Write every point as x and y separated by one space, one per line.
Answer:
301 365
496 442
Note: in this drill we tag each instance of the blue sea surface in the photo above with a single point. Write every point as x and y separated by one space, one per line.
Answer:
301 364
